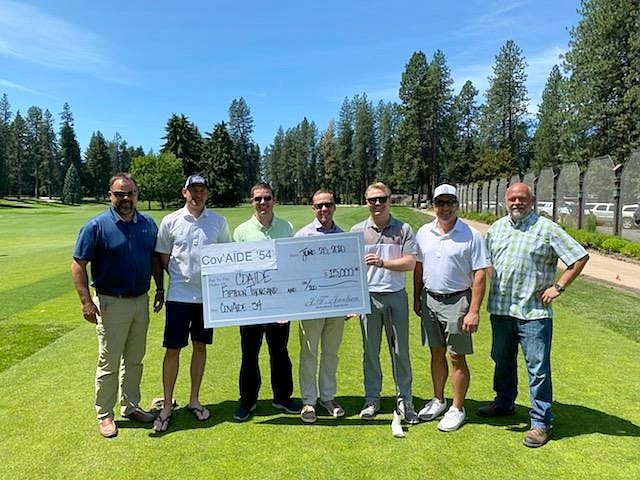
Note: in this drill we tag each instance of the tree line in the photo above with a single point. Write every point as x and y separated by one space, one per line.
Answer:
590 107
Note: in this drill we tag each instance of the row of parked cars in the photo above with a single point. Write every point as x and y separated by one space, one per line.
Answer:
602 211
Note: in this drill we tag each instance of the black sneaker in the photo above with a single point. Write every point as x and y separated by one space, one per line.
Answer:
243 412
290 406
493 410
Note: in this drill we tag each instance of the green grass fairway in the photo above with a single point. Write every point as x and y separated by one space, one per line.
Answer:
47 364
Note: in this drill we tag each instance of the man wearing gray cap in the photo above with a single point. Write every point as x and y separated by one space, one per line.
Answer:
181 236
449 281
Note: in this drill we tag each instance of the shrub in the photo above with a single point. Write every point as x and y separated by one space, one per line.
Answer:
632 249
613 244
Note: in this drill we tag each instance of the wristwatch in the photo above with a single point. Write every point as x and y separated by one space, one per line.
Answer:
558 287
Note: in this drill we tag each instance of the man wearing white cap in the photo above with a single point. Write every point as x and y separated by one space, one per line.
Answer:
449 281
181 236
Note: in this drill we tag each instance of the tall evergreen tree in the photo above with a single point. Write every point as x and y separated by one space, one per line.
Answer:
18 155
275 172
465 117
327 158
222 168
5 134
50 178
603 62
344 189
550 138
503 123
98 165
362 161
412 142
439 126
41 151
240 129
183 139
69 146
387 118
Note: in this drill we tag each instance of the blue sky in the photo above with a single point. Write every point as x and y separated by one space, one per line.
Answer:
126 66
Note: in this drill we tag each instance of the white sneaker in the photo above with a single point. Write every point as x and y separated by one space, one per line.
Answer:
407 413
369 411
432 409
452 420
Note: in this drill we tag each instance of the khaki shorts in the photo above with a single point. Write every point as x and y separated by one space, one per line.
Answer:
442 323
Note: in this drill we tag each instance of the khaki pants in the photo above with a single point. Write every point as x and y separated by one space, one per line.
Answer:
122 340
328 333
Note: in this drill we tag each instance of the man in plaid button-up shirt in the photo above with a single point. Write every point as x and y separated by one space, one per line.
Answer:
524 249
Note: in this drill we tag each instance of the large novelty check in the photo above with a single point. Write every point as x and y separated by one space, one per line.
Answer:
284 279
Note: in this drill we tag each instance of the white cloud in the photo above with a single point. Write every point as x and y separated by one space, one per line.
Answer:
31 35
21 88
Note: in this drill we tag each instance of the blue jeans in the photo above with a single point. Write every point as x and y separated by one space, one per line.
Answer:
534 336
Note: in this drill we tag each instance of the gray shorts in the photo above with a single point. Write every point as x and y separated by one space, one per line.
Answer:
442 323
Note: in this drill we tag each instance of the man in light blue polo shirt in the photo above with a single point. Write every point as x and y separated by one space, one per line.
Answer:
449 281
324 331
524 249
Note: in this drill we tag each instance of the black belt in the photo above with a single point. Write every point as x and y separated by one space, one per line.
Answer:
118 295
444 296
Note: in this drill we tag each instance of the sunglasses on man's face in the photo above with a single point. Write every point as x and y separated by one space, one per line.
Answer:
266 198
318 206
123 194
442 203
380 200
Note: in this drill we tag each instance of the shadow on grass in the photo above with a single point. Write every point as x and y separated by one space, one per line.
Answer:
25 297
266 414
570 420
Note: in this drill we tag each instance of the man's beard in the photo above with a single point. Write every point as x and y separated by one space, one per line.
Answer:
124 208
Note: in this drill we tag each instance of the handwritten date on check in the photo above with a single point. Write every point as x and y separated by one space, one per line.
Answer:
284 279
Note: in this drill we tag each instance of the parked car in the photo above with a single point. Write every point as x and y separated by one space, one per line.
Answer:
603 212
546 209
627 215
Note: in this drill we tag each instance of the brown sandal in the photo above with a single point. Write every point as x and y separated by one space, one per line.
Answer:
161 424
200 412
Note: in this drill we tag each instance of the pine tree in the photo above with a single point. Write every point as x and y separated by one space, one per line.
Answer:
344 189
550 138
18 155
222 168
240 129
604 90
98 165
69 146
72 191
412 142
5 134
183 139
364 155
503 123
465 117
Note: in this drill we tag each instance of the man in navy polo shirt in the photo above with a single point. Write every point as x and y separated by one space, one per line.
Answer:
119 244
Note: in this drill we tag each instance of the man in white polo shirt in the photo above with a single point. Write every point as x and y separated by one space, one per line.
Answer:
449 281
181 236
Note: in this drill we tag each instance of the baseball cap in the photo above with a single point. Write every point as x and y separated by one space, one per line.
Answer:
196 180
445 189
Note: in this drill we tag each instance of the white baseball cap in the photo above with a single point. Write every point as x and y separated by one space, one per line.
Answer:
445 189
